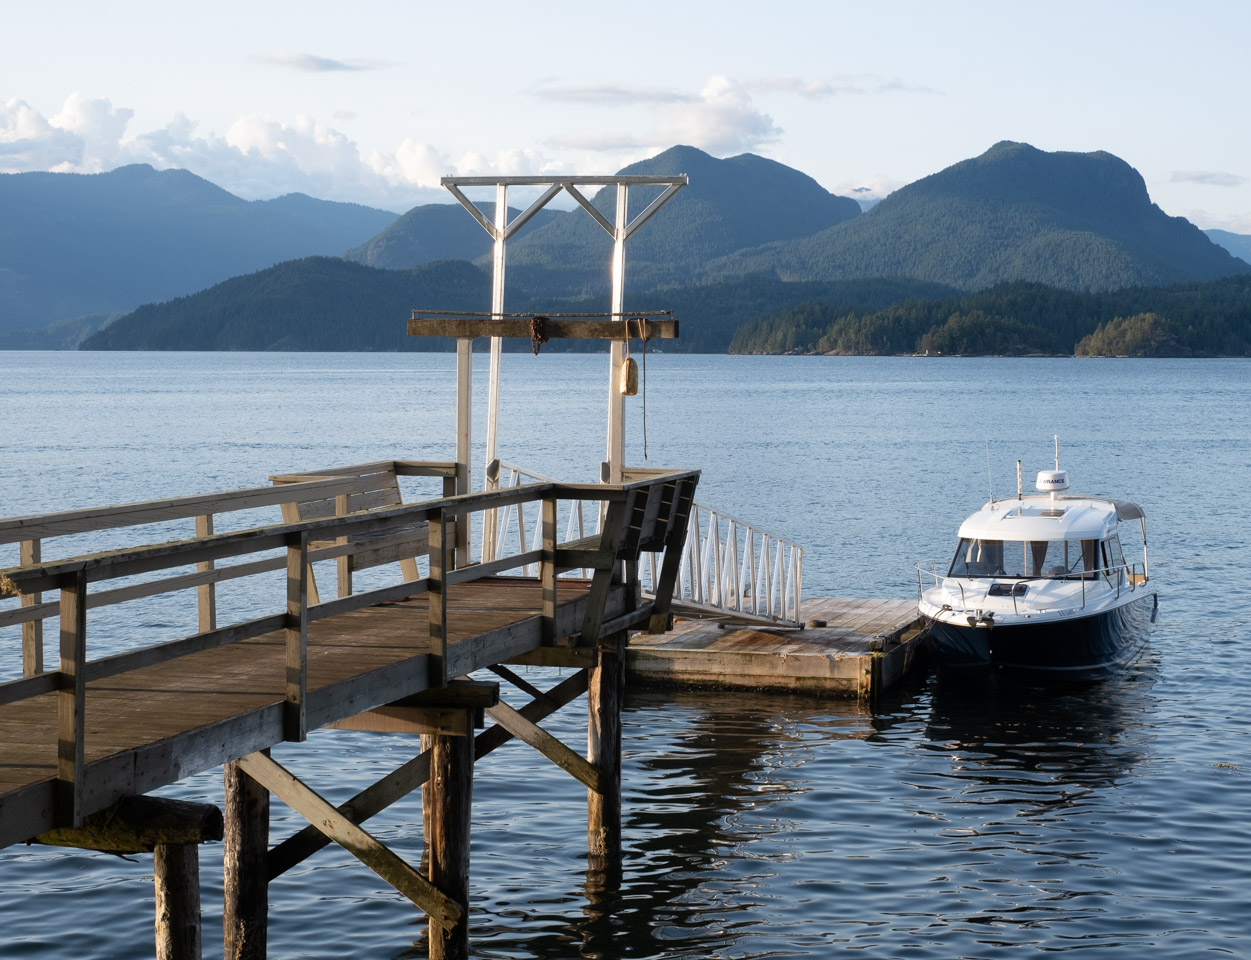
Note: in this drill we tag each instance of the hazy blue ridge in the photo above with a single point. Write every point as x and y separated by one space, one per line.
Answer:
436 231
1239 244
73 245
1070 220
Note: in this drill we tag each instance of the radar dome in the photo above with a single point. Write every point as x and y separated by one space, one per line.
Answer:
1052 481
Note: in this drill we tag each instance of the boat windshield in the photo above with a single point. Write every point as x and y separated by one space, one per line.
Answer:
1023 559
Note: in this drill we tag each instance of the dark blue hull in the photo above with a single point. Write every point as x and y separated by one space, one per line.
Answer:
1080 649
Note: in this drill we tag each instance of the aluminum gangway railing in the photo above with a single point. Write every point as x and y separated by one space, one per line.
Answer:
733 571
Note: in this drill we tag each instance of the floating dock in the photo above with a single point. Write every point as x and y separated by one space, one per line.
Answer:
850 648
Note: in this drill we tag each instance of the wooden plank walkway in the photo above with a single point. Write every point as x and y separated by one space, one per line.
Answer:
864 647
149 727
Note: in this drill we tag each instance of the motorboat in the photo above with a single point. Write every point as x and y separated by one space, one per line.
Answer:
1040 588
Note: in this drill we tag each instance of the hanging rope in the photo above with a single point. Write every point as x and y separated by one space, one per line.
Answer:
643 337
537 335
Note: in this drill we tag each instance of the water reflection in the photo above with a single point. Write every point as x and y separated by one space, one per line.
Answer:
1089 735
708 778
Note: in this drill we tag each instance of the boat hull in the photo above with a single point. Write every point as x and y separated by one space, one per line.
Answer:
1073 649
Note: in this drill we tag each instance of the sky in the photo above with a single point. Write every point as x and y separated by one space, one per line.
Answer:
373 101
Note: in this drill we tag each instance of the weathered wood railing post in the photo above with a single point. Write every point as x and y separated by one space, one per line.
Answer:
32 631
450 789
245 871
206 593
293 718
346 563
437 597
71 701
547 570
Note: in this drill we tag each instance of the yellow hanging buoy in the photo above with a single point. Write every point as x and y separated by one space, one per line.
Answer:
629 377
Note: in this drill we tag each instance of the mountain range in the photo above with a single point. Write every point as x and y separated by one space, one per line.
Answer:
78 244
1071 221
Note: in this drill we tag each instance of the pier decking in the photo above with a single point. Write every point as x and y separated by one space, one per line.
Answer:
851 648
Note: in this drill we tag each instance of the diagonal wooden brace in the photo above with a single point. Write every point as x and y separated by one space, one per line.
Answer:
528 732
381 860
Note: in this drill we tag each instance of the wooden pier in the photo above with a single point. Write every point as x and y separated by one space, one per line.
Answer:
848 648
80 743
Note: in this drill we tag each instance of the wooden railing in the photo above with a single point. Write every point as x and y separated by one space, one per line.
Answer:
341 491
648 515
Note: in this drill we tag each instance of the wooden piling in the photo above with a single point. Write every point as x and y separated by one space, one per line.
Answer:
245 911
172 830
450 791
176 876
605 693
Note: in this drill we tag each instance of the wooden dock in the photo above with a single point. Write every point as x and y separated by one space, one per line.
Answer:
850 648
82 743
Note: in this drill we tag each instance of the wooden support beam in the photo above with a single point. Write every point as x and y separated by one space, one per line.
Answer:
139 824
411 775
554 328
176 877
603 803
542 741
455 709
450 789
442 909
245 879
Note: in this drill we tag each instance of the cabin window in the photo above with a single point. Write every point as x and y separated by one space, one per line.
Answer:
1026 559
977 558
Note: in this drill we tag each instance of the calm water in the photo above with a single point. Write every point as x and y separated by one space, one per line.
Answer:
1109 820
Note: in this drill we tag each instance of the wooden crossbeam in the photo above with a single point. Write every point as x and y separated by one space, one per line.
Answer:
542 741
553 328
409 776
381 860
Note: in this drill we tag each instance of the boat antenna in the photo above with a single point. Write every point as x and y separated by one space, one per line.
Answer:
1018 479
1056 438
990 481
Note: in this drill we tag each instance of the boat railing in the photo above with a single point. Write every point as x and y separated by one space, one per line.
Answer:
1125 576
733 570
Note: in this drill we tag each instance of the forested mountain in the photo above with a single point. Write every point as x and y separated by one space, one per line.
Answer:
318 303
76 244
1189 319
437 231
729 204
1078 221
322 303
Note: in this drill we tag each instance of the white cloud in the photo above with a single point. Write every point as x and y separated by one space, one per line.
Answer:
256 158
612 95
1208 178
723 120
867 191
843 85
311 63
